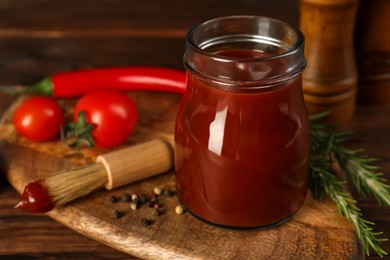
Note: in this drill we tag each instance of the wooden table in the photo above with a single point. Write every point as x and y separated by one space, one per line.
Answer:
39 38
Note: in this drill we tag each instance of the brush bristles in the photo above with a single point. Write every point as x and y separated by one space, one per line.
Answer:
67 186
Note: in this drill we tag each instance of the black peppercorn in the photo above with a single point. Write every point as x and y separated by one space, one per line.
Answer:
142 199
126 198
137 201
168 192
117 214
149 204
146 222
113 199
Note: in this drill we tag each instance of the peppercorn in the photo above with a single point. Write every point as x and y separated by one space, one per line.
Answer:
157 190
179 210
134 206
126 198
168 192
134 196
154 199
149 204
146 222
113 199
117 214
137 201
142 199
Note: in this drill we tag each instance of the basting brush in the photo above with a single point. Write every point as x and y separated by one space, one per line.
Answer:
111 170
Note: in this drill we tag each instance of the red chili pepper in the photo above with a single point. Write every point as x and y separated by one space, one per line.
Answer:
78 83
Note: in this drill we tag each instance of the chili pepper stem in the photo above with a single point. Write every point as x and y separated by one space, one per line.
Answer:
43 87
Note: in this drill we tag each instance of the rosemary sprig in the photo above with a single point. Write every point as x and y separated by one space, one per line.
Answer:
365 179
326 149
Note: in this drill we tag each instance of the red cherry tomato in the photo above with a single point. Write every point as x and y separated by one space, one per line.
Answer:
38 118
112 113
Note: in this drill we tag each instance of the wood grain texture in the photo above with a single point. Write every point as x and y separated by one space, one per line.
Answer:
28 236
137 162
330 78
315 232
40 37
121 14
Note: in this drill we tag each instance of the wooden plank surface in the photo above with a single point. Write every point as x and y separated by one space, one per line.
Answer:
316 231
68 15
40 37
26 235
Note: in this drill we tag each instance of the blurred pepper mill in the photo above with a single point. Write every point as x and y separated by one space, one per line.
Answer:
330 78
372 41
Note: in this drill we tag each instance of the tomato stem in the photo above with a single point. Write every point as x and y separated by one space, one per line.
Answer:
78 132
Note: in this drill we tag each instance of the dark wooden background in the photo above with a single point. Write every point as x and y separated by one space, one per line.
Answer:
42 37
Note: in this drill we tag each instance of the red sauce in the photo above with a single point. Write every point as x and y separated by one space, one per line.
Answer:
35 198
241 157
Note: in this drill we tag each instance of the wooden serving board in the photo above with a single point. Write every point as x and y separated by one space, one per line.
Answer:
316 231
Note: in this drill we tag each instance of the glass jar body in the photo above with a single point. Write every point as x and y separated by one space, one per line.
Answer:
241 149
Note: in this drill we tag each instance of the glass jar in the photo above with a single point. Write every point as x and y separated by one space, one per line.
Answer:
242 131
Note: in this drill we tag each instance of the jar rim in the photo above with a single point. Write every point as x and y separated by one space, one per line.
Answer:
298 43
285 40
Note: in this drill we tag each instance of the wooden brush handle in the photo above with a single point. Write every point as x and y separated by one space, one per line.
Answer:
137 162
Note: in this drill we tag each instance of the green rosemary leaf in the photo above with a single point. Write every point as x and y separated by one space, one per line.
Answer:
318 116
315 180
326 147
364 177
347 207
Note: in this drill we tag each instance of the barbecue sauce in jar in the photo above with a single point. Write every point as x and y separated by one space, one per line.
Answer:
242 132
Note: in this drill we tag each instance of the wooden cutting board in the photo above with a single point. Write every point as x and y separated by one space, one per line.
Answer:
316 231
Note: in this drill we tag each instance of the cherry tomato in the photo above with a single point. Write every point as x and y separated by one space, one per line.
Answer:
38 118
112 113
